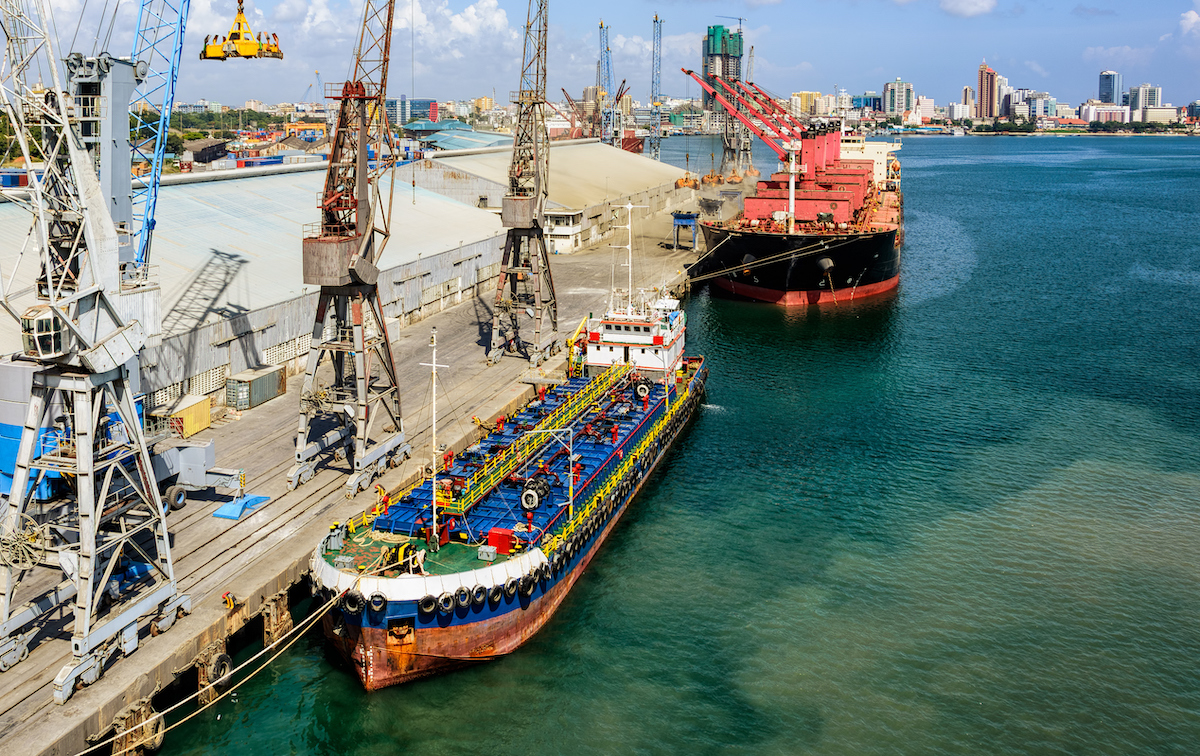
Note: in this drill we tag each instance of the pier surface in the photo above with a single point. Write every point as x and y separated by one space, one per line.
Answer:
267 551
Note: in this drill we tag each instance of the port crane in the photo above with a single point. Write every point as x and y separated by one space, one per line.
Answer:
654 143
82 325
158 44
357 415
525 284
606 103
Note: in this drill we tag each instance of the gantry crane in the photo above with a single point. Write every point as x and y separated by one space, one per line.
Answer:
357 414
78 316
655 140
525 283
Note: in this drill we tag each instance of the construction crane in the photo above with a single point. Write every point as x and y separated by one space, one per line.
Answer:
242 42
750 66
655 140
586 124
605 102
357 415
525 287
107 531
159 45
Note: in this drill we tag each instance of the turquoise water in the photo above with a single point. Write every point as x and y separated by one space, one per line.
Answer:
961 520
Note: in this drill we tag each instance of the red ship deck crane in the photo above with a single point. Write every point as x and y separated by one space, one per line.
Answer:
786 154
340 255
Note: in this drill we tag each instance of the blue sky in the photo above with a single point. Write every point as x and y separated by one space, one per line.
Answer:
465 49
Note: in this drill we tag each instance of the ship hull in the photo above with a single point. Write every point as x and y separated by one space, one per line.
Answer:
801 269
399 643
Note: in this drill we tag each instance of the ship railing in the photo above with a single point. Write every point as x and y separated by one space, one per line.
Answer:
501 465
553 541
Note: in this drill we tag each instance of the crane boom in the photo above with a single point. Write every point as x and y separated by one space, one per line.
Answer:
159 44
655 141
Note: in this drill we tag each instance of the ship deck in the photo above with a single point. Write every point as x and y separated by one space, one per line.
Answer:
601 418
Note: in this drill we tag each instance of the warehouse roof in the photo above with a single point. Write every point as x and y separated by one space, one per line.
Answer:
458 139
252 227
582 174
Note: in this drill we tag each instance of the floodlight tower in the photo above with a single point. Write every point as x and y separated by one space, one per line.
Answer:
525 287
655 141
106 528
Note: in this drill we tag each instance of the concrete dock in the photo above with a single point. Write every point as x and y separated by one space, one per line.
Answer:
258 558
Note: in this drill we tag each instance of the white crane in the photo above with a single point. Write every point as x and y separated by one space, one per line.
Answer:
107 531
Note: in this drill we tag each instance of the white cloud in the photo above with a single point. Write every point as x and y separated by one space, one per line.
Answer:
1119 56
1036 67
1189 23
967 8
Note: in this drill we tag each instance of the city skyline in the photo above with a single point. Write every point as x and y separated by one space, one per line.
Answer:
467 49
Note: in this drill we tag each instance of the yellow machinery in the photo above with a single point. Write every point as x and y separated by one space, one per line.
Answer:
241 42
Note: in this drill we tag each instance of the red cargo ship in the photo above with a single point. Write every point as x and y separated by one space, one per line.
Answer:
828 228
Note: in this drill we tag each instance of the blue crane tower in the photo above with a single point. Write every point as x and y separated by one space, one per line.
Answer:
604 97
655 141
158 43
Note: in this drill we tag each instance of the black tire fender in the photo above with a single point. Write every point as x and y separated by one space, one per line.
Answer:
353 602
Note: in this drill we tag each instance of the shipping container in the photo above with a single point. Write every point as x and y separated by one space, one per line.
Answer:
188 415
251 388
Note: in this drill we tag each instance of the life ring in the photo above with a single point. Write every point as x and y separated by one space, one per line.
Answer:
510 587
427 605
462 597
446 603
353 602
495 594
479 595
529 499
377 602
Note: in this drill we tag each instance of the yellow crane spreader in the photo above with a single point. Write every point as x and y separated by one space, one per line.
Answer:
241 42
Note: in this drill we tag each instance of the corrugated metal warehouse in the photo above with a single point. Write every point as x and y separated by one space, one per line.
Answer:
229 265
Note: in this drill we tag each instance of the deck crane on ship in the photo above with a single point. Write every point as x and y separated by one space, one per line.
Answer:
83 321
356 416
525 283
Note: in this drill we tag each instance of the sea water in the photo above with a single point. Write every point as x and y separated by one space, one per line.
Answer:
961 519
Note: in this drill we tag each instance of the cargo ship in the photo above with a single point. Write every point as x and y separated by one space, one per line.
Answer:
472 561
835 237
827 227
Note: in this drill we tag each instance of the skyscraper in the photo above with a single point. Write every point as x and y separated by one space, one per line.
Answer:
1144 96
1110 87
720 55
985 93
898 97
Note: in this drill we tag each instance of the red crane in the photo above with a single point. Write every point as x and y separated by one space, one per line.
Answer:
340 254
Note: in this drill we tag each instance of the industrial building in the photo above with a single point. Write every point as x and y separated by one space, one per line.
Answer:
229 264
